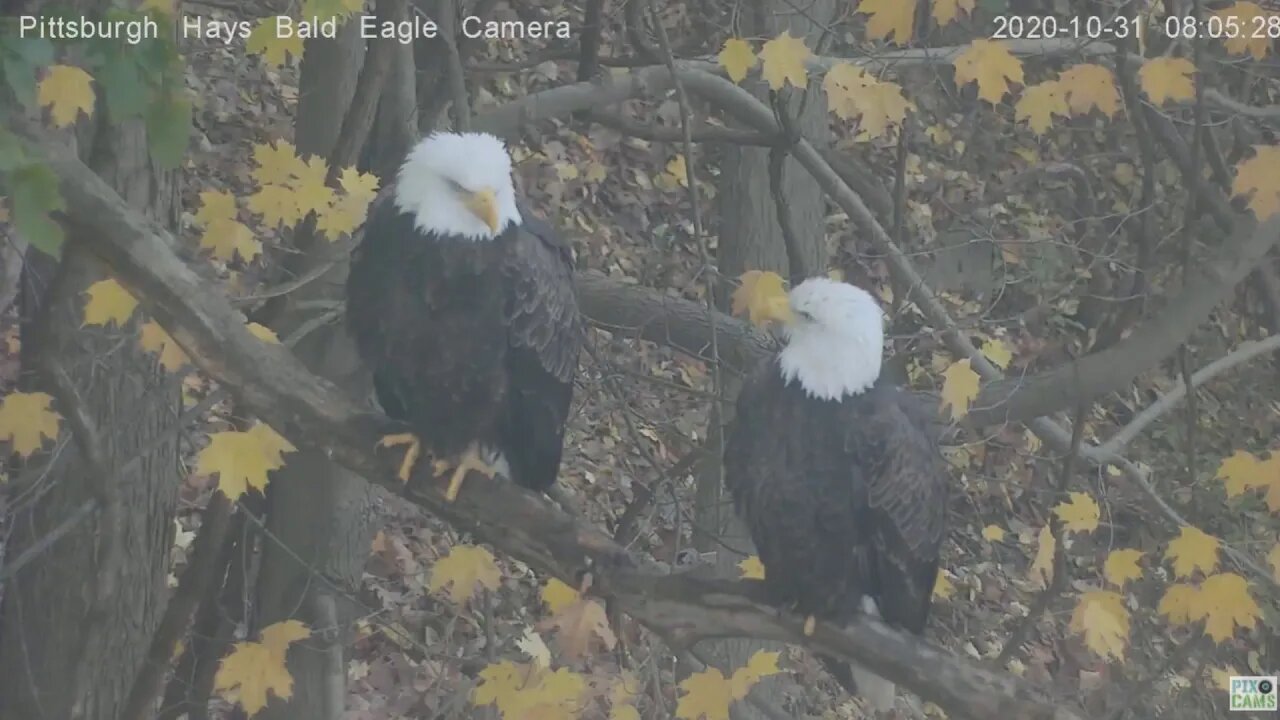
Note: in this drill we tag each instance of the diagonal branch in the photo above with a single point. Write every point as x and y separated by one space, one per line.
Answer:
267 380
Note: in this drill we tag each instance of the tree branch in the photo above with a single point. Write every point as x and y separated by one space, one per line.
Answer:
268 381
1246 352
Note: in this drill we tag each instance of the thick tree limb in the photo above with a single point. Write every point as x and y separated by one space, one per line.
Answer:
268 381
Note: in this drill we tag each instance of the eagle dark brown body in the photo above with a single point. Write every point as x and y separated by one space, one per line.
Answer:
469 340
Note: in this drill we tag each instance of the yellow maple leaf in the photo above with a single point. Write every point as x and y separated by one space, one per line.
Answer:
1225 603
943 588
1257 180
959 388
1089 86
877 105
154 339
782 61
945 12
1039 103
1248 17
1180 604
990 64
108 302
1102 619
26 419
761 664
276 163
708 694
228 238
1240 472
737 58
277 204
997 351
558 596
1079 513
342 217
241 460
1273 559
880 108
215 206
464 570
889 17
359 187
67 91
1121 566
263 333
1168 78
273 46
762 297
842 84
253 669
751 568
993 533
1192 550
1042 565
312 193
530 692
578 625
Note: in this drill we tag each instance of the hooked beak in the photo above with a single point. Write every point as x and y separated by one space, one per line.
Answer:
484 205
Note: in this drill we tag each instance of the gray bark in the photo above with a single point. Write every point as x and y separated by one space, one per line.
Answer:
318 512
75 624
751 239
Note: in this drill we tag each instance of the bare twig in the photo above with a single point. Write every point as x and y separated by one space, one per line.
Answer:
1242 354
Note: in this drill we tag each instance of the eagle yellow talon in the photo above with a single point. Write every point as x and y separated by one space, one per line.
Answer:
411 454
469 460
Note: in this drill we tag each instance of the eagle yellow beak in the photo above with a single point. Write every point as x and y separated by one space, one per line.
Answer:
484 205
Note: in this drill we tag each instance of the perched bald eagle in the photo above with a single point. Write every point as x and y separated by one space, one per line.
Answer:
463 307
837 474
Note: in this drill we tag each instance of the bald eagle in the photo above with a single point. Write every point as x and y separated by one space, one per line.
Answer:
837 475
463 308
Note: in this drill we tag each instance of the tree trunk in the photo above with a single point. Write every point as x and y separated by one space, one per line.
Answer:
319 512
751 239
75 624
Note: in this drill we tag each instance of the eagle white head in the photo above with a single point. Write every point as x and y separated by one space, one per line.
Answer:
458 184
835 339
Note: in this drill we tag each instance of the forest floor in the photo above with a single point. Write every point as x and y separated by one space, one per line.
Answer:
641 408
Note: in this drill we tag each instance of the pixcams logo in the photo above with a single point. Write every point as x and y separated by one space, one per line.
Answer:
1252 692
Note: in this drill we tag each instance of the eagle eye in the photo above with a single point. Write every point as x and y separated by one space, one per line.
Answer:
455 185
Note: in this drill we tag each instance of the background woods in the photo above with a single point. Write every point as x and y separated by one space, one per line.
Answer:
1073 238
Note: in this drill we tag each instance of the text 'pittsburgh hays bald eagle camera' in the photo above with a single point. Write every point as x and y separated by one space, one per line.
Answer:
463 308
837 474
